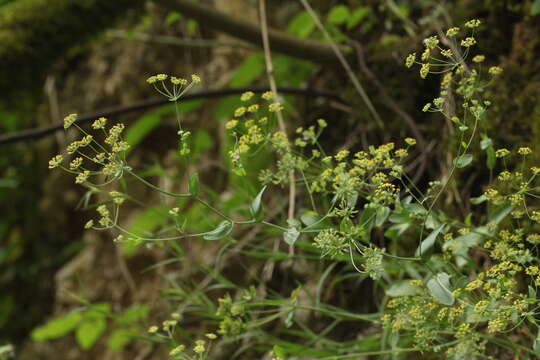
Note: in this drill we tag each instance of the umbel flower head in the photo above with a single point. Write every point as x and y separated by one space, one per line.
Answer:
69 120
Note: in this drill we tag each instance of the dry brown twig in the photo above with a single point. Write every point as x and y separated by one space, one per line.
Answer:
269 267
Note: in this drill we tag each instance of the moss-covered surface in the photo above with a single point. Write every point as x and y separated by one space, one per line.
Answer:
36 33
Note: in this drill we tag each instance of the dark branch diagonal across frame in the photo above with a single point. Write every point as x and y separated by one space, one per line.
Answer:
39 132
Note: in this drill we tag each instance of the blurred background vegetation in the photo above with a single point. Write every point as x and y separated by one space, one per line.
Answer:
63 56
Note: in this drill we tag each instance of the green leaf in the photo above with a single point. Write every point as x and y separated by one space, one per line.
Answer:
535 8
402 288
491 158
338 15
500 214
193 184
140 128
192 26
252 67
172 17
133 314
57 327
346 225
396 230
89 332
255 207
439 288
279 352
381 215
478 200
144 224
223 229
119 338
302 25
486 142
358 15
428 242
463 160
291 235
314 221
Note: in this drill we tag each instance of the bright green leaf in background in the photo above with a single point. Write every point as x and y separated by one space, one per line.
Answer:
132 314
535 8
338 15
142 127
89 331
120 338
194 184
144 224
57 327
251 68
302 25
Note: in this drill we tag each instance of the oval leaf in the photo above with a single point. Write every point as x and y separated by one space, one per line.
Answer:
223 229
58 327
89 332
291 235
439 287
463 160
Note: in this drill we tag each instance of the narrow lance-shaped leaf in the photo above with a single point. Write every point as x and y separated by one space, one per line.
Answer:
256 203
194 184
428 242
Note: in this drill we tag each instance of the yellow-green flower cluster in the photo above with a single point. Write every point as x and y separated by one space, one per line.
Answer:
69 120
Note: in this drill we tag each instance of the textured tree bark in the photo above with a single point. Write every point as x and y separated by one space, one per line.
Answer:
280 41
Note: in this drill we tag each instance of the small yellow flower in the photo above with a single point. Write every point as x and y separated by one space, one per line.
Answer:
268 95
153 329
468 42
479 58
75 163
495 70
69 120
195 79
409 61
500 153
424 70
240 111
161 77
474 23
99 123
55 161
410 141
524 151
253 108
275 107
231 124
82 177
452 32
246 96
